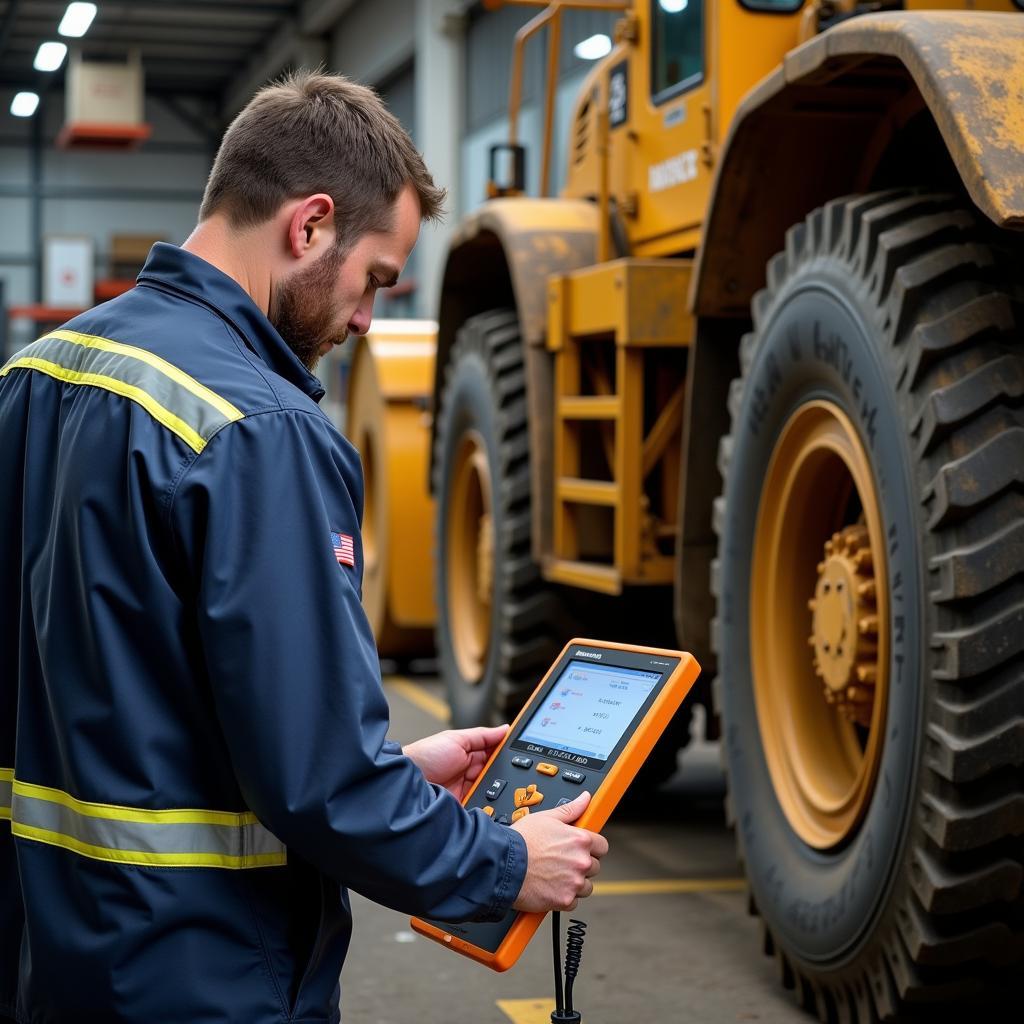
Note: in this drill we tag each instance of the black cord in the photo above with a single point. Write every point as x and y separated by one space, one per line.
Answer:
564 1013
556 944
573 956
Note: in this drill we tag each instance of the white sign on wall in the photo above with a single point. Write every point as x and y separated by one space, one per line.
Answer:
68 271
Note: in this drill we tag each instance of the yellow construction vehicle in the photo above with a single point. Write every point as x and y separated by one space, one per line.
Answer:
387 419
758 368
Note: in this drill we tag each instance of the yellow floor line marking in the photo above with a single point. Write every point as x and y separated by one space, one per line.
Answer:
661 886
416 694
527 1011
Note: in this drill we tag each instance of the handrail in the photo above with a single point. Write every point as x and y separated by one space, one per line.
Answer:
552 13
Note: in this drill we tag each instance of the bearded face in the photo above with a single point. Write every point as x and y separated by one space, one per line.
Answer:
304 309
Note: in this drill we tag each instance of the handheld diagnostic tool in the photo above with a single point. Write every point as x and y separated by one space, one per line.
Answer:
589 725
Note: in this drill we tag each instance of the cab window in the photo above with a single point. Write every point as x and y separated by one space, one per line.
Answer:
773 6
677 46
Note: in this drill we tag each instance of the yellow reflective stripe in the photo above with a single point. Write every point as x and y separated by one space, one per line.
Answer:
6 774
162 415
146 859
225 408
179 837
179 816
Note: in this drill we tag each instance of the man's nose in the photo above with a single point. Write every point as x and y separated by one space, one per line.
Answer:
360 321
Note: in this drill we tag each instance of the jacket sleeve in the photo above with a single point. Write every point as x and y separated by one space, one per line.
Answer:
295 678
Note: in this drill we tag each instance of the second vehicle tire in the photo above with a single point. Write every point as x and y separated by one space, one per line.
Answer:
498 620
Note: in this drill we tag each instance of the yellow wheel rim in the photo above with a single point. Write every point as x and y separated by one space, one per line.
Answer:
470 561
819 625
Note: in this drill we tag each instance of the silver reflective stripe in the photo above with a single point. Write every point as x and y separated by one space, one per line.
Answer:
174 838
178 401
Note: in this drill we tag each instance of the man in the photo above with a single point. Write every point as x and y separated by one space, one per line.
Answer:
193 752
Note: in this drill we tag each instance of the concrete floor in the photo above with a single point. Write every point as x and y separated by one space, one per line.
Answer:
668 954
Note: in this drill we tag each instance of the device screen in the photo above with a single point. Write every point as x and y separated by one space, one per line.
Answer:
587 711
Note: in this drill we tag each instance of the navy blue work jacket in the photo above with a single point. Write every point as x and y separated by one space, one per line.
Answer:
193 753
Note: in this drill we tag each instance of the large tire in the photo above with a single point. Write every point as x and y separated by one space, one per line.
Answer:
483 405
898 314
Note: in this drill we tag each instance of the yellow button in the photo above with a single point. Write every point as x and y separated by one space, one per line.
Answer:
519 813
547 769
528 796
488 810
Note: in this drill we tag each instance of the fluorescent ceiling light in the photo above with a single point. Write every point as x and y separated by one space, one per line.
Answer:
50 56
593 48
77 19
672 6
24 104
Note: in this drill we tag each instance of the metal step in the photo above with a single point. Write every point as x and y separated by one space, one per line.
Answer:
589 407
589 575
588 492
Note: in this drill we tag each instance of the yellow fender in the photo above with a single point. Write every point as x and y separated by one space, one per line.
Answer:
820 124
388 394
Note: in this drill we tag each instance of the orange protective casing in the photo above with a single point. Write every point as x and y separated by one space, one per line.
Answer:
602 803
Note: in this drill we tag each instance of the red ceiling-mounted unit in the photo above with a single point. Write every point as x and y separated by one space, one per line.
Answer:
104 104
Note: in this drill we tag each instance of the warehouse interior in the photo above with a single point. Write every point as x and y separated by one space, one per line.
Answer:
441 65
708 386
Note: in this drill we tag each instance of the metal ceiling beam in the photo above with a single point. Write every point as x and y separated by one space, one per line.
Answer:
204 127
302 43
141 33
210 53
317 17
258 18
289 46
274 10
8 23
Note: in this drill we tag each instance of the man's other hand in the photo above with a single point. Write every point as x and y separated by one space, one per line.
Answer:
454 758
562 858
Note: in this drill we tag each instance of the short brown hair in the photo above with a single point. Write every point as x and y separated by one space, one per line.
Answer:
312 132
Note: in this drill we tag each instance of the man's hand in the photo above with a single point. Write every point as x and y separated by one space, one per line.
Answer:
562 858
454 758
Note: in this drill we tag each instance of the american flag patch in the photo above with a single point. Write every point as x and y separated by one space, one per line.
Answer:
344 549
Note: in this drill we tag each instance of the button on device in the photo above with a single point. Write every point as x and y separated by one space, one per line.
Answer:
488 810
547 769
528 796
495 788
564 800
522 762
518 813
503 820
574 777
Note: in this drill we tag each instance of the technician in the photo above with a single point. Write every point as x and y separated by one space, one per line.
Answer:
193 754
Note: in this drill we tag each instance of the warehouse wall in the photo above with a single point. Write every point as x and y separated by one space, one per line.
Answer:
394 45
489 43
373 40
154 191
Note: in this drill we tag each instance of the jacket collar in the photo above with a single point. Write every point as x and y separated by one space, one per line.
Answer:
176 269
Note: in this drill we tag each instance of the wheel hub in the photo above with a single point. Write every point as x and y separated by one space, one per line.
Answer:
820 677
845 624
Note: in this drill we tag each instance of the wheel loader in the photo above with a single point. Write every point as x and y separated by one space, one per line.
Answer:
753 376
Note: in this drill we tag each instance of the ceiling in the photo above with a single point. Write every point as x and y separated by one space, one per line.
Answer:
188 47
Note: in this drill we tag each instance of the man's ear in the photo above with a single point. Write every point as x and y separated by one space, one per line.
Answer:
311 224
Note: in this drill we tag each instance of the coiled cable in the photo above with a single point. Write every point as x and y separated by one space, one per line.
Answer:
564 1012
